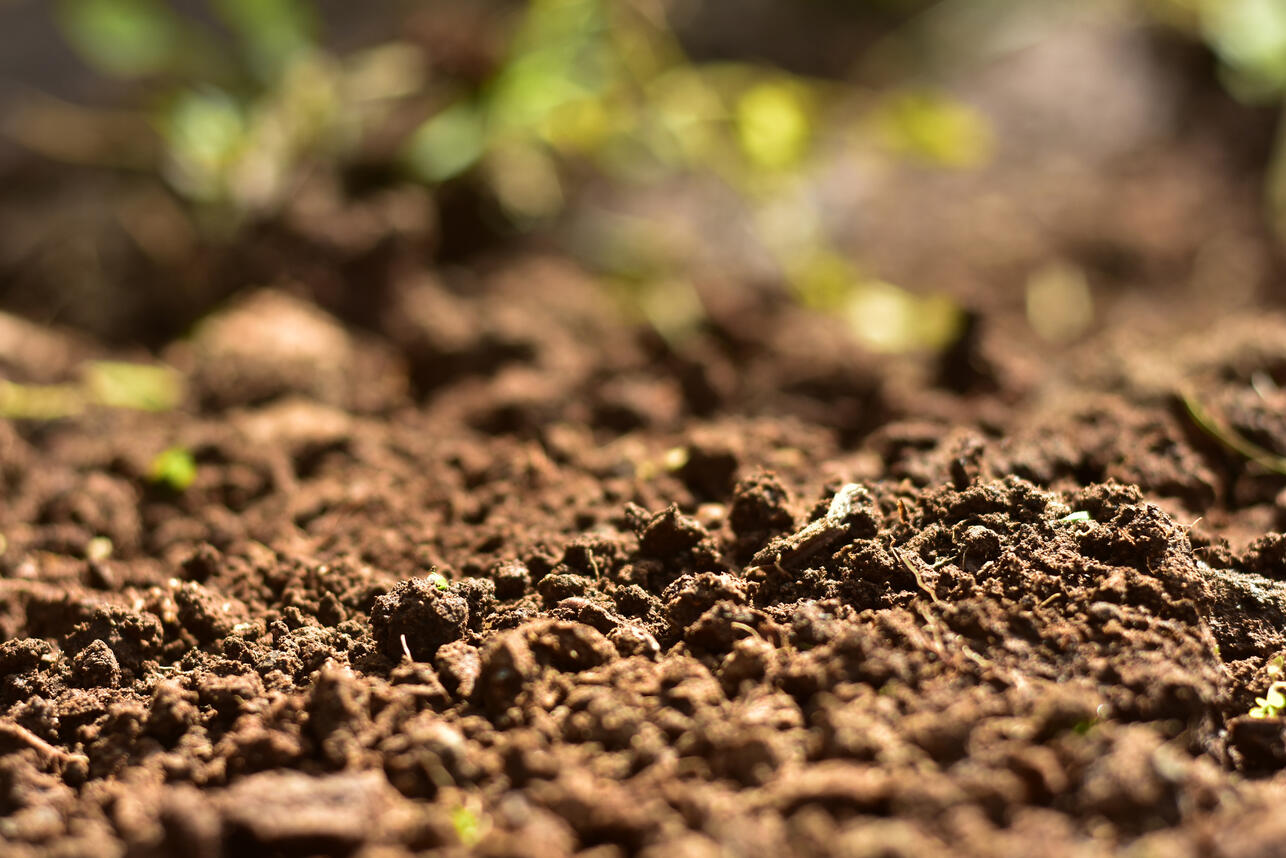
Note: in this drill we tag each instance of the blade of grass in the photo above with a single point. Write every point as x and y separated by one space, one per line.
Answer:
141 387
39 401
1230 437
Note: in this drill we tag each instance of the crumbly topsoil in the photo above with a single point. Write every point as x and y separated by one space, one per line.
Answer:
502 574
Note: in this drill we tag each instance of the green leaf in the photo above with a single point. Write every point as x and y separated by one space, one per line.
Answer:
126 38
131 385
173 467
936 129
467 825
448 143
531 88
39 401
1083 727
1250 37
887 318
775 124
206 131
824 280
1272 703
273 32
1079 515
561 54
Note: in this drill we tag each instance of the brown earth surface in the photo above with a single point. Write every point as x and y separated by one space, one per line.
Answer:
758 593
474 564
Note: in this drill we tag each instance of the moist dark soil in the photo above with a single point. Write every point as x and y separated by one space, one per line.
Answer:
512 576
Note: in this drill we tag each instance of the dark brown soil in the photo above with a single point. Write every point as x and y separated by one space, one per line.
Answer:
474 563
512 576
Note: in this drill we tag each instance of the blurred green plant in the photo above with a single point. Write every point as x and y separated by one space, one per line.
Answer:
1059 302
607 84
468 824
1249 39
1229 436
448 144
39 401
934 129
174 468
882 316
245 103
775 123
139 387
597 87
1272 704
108 384
123 38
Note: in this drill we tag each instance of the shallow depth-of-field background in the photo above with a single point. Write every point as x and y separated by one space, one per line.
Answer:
655 427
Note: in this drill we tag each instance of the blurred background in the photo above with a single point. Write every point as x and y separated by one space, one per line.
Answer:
905 167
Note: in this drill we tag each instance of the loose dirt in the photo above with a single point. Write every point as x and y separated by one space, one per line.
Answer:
506 574
474 562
